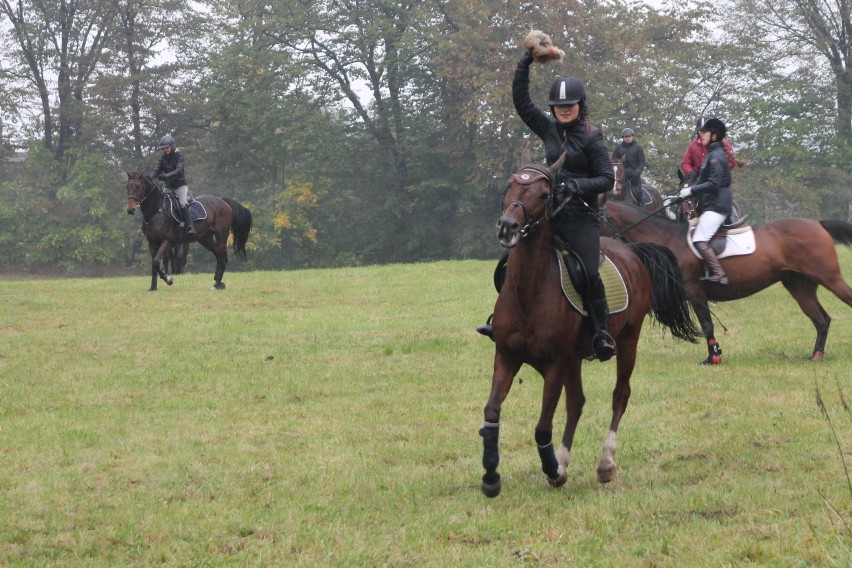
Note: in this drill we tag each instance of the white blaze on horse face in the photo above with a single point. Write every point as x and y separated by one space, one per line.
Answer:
615 168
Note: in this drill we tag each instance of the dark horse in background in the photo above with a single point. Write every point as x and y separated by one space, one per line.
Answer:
651 198
224 216
799 253
535 324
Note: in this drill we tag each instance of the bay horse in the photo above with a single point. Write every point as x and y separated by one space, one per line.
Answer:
652 200
799 253
534 323
224 216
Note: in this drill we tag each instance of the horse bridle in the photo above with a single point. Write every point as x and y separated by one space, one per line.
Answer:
144 197
152 187
530 226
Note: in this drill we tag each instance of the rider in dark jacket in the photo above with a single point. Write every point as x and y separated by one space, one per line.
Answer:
715 198
634 163
587 172
170 169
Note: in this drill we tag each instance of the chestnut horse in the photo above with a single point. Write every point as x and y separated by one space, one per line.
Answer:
534 323
652 200
799 253
224 216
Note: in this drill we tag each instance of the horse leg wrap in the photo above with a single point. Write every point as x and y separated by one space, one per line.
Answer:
490 454
549 465
714 352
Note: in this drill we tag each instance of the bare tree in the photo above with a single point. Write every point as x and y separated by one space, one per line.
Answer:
59 44
804 28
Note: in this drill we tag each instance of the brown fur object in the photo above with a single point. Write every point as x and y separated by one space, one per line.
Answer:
538 43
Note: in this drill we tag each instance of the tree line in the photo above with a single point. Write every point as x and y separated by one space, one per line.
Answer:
377 131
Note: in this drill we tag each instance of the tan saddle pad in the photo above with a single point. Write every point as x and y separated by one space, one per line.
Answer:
616 289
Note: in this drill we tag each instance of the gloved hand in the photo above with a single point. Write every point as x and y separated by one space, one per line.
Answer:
161 177
685 192
526 59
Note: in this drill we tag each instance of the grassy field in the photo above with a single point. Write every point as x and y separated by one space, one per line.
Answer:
330 417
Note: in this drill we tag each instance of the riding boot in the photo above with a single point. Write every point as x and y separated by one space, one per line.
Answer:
486 329
717 275
190 228
602 342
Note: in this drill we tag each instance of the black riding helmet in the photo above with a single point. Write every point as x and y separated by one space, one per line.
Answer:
166 141
715 126
566 91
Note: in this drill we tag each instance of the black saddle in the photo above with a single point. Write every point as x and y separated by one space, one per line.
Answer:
171 207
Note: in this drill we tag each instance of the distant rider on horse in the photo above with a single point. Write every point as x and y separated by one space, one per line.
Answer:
715 198
170 169
634 163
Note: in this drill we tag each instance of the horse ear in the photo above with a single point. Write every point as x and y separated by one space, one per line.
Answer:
525 153
553 170
680 174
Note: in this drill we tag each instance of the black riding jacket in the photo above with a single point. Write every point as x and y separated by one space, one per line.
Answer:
634 158
713 185
587 163
172 165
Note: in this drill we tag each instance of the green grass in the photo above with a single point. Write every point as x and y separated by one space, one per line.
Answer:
330 417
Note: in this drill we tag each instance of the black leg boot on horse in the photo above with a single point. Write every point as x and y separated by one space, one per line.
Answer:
602 342
190 228
717 274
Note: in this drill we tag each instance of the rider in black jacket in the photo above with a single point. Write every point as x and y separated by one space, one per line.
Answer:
634 163
715 197
170 169
587 172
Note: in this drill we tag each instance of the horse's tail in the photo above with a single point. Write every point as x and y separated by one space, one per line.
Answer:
240 226
840 231
669 303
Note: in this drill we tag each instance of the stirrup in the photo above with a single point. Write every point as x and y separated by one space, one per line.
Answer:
603 346
486 329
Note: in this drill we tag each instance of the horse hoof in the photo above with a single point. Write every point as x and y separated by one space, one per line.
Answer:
491 489
714 360
817 356
558 481
607 474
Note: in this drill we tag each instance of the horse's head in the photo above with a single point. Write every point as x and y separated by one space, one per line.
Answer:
618 172
139 186
528 199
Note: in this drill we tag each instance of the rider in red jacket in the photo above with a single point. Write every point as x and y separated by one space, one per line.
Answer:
695 153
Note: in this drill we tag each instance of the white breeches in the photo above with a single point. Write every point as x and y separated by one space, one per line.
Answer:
708 224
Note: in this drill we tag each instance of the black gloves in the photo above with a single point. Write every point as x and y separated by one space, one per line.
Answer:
526 59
